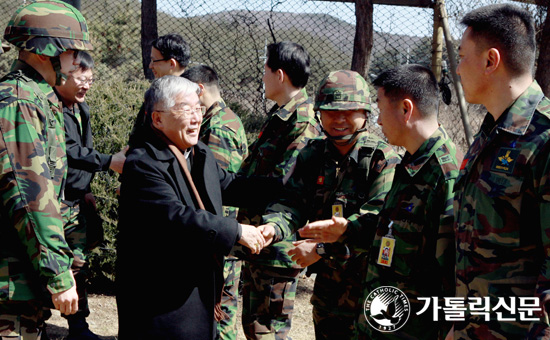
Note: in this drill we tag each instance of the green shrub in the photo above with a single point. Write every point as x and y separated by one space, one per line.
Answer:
114 103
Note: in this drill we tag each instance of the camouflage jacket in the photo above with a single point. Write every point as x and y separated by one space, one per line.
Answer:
420 203
502 213
286 131
223 132
324 180
33 250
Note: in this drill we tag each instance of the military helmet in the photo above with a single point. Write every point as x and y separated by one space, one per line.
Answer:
343 90
48 27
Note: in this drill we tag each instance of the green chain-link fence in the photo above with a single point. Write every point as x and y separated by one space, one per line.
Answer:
231 36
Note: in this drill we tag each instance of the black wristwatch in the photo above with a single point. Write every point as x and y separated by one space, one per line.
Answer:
320 249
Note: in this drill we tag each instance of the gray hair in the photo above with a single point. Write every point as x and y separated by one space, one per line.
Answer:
163 91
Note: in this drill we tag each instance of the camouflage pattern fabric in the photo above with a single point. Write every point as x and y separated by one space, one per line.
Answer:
420 203
343 90
66 30
329 326
75 235
268 301
31 234
227 328
223 132
502 213
286 131
321 179
22 320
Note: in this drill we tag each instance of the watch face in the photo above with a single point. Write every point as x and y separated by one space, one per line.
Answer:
320 249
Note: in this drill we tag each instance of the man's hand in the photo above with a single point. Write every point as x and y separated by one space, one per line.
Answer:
252 238
304 253
327 231
268 232
67 301
118 159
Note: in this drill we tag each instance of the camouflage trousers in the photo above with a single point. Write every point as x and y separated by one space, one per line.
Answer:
75 234
22 320
268 301
329 326
227 329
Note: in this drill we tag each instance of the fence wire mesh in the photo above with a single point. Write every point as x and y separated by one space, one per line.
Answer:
231 37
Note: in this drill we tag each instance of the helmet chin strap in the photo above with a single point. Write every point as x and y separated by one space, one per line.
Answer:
346 139
59 76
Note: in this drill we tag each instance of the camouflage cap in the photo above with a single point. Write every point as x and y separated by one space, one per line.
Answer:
343 90
48 27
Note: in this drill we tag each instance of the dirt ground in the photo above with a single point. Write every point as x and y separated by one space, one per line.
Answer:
103 317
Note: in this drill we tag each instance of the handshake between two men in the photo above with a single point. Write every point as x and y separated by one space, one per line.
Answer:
303 253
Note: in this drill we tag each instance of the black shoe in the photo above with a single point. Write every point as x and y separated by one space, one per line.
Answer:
78 329
44 334
86 334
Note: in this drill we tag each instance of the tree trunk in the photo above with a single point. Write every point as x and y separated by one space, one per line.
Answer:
543 63
148 33
362 45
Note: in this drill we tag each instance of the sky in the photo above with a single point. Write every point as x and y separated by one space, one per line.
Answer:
385 17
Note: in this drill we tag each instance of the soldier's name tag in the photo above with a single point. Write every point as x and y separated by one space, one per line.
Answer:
386 251
338 210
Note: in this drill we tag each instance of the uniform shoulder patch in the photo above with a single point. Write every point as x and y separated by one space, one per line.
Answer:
447 162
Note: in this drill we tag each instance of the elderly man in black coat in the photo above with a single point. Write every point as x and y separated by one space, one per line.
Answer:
172 236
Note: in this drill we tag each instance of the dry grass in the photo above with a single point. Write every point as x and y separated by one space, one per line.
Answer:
103 317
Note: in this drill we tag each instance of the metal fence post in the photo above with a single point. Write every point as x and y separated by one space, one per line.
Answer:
452 60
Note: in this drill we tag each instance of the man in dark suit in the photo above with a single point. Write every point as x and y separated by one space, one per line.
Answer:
171 219
81 222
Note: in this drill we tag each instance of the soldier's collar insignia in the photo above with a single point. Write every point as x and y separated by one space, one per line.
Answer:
505 160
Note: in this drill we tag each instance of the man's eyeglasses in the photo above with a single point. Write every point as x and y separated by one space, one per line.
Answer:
82 81
154 61
186 110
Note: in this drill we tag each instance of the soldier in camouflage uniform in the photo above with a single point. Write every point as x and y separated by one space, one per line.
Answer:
336 176
223 132
502 202
419 204
35 260
270 278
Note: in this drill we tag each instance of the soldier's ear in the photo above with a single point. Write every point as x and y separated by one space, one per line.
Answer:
281 75
408 107
493 60
201 87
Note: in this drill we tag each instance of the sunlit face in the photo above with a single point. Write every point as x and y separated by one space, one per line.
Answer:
75 88
271 82
158 64
471 68
389 118
181 123
342 123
